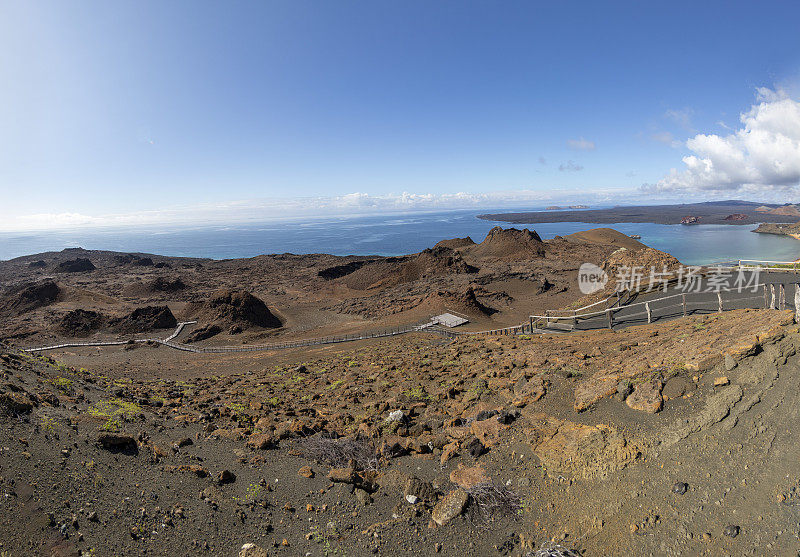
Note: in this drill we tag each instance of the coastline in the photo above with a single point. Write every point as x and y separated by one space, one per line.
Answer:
737 213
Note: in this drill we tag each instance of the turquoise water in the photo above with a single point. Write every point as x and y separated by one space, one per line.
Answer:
390 235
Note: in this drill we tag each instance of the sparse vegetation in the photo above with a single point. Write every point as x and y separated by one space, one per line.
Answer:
339 452
115 412
490 501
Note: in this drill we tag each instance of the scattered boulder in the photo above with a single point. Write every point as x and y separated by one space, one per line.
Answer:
675 387
252 550
527 391
343 475
487 431
419 490
37 264
261 441
116 442
465 478
680 488
305 472
646 396
449 507
731 530
226 477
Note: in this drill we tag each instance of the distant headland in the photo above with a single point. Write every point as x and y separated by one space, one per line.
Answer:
733 212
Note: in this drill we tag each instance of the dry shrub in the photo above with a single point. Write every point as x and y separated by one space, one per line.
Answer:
489 501
340 452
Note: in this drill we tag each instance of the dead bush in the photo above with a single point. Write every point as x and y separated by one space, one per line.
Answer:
340 452
489 501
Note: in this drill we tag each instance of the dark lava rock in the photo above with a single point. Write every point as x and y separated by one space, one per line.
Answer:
475 448
15 404
80 322
420 489
116 442
30 297
145 319
79 265
37 264
226 477
144 262
731 530
485 415
204 333
166 284
505 417
680 488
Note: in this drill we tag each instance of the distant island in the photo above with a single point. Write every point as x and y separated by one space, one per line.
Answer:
732 212
792 230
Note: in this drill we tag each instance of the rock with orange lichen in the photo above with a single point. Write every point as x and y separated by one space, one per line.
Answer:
646 396
467 477
487 431
579 450
594 388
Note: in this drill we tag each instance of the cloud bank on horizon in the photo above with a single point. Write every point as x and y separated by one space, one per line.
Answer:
762 156
352 204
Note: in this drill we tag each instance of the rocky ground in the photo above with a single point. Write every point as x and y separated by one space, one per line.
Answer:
666 440
94 295
675 438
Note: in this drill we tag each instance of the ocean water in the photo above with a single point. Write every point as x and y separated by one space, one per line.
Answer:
390 235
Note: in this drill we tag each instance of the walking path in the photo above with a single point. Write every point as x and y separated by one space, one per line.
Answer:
776 289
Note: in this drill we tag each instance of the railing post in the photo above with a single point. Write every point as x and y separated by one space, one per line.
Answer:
531 320
610 315
766 303
782 297
773 302
719 301
649 313
797 302
683 301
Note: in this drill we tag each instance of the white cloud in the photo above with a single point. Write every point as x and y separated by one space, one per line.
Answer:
762 155
581 144
570 166
682 117
263 210
666 138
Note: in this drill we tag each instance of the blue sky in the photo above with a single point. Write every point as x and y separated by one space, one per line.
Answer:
125 112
